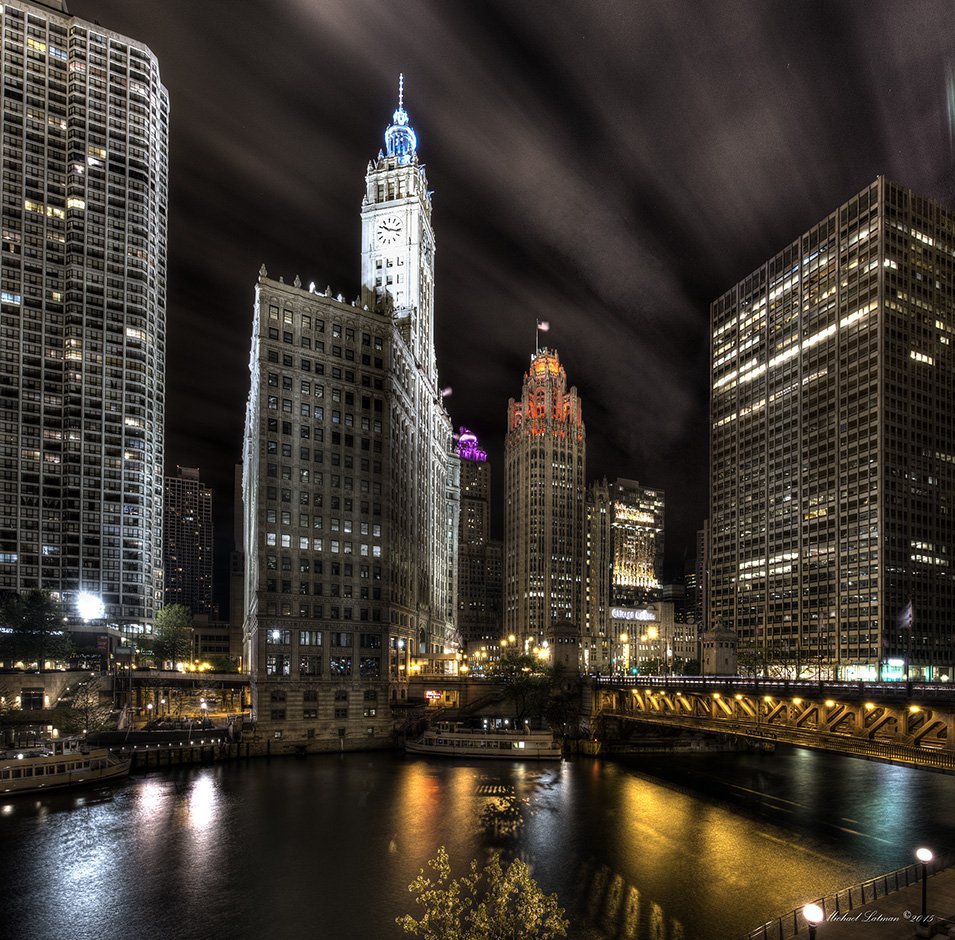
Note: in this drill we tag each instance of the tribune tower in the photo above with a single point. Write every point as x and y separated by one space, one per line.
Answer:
544 510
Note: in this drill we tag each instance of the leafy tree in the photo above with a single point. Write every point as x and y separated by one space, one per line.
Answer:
35 629
527 682
492 903
172 634
222 663
563 712
88 711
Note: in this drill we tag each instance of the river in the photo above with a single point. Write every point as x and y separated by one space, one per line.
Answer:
666 847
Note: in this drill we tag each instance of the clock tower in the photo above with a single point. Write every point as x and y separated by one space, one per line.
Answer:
397 241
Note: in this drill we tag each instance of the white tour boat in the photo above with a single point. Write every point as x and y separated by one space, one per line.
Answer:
458 741
54 764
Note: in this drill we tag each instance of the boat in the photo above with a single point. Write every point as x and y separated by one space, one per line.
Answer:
51 765
452 740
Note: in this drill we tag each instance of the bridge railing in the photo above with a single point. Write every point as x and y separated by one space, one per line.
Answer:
783 688
848 899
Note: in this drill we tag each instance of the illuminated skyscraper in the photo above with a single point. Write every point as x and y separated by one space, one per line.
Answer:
350 486
833 445
544 508
82 298
624 559
480 587
636 542
188 542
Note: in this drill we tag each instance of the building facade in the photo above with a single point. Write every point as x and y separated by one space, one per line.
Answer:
832 464
623 564
82 297
596 641
544 506
480 571
636 542
188 542
350 486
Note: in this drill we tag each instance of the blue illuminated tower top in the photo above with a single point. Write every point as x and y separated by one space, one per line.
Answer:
400 139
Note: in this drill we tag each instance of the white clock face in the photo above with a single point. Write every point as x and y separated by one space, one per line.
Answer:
388 230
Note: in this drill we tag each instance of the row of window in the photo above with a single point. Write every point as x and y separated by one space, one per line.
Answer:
280 664
283 637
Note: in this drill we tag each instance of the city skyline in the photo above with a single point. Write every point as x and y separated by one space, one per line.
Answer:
612 173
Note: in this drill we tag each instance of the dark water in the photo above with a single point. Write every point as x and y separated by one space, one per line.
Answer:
695 846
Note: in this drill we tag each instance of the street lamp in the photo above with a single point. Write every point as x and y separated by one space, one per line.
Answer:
924 856
814 916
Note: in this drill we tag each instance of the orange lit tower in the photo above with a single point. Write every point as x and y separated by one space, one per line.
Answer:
545 468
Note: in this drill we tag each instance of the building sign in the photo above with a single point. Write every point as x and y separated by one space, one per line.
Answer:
631 613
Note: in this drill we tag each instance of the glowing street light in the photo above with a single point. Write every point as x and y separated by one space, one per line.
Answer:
924 856
814 916
90 606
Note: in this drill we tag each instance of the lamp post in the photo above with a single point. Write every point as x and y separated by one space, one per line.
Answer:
924 856
814 916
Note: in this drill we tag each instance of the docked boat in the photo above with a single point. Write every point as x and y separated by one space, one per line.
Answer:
55 764
458 741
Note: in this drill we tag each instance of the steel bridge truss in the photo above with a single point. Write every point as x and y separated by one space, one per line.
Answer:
903 723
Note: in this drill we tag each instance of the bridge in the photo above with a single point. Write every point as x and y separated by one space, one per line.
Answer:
906 723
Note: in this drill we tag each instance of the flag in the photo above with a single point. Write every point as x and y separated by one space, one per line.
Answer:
543 325
906 616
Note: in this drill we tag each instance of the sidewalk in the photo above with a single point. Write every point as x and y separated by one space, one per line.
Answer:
896 915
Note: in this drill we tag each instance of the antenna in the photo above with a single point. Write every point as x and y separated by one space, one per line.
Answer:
401 89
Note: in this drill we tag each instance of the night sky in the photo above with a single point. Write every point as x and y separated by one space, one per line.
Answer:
610 167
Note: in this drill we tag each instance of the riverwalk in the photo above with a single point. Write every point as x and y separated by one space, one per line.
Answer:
895 916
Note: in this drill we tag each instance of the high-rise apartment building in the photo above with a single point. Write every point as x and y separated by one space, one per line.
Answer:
833 445
188 542
544 507
82 297
480 572
350 486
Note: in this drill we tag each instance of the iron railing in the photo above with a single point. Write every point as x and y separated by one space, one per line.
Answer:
848 899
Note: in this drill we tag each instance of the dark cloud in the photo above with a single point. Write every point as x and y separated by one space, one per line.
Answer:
611 167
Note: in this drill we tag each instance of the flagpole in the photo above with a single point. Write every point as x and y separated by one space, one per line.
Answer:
537 336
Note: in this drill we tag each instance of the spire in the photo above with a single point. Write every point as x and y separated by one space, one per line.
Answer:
400 138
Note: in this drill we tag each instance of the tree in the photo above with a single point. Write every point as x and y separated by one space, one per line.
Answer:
527 682
88 711
35 631
172 634
222 663
493 903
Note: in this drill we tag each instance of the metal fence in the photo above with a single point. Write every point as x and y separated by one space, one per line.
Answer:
848 899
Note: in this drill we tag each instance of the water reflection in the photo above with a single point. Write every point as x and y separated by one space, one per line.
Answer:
665 848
